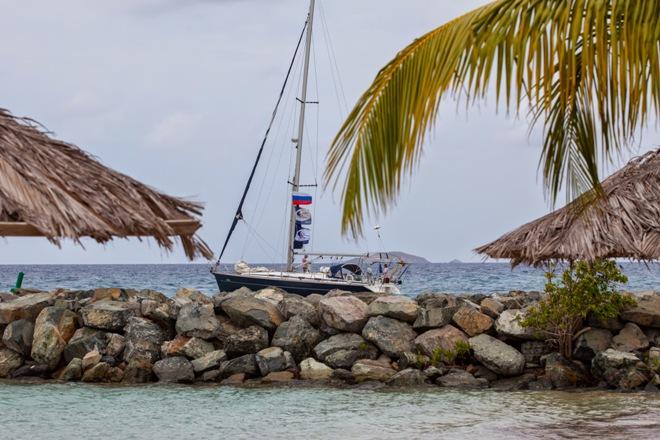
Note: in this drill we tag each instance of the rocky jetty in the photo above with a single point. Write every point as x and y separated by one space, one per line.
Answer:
272 337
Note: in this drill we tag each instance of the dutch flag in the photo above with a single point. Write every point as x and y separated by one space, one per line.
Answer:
301 199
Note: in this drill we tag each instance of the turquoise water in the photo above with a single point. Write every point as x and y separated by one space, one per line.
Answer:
167 278
66 411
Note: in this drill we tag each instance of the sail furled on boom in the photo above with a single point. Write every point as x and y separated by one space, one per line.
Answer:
239 211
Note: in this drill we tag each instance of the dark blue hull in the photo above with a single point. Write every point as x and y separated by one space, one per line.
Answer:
228 282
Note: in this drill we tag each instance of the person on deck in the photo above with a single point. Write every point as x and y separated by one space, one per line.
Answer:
305 264
386 274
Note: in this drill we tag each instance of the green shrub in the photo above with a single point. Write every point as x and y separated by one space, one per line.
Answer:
459 354
583 289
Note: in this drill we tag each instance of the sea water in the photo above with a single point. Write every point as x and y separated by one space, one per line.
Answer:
167 278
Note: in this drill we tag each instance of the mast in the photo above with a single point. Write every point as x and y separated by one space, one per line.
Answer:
301 132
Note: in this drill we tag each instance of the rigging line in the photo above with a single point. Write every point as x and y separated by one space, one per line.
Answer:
239 211
341 99
259 236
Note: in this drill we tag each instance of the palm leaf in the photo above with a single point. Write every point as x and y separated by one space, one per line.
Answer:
588 69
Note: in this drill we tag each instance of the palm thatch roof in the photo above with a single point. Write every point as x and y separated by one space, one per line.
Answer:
623 222
54 189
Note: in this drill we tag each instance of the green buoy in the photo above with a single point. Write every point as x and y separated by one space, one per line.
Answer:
19 282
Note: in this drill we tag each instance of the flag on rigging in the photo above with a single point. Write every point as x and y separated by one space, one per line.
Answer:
299 198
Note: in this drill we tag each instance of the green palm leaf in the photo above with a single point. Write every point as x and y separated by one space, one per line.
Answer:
588 69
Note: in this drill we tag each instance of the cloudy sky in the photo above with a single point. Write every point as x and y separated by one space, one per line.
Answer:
177 93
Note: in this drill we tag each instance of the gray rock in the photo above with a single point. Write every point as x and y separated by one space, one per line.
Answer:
612 359
344 349
9 361
246 341
162 312
397 307
209 361
413 360
344 313
434 318
143 340
90 359
83 341
115 346
25 307
246 364
138 371
609 323
53 328
109 315
471 321
508 324
591 342
432 373
310 369
461 379
445 338
292 306
210 376
278 377
366 370
73 371
533 350
197 320
620 369
436 300
272 295
497 356
186 296
247 311
174 369
513 383
630 338
485 373
647 311
296 336
407 378
18 336
274 359
564 373
366 297
391 336
491 307
192 348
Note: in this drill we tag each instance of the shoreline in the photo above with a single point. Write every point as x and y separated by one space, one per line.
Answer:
272 339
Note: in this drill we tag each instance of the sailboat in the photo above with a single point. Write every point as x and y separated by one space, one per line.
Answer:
379 272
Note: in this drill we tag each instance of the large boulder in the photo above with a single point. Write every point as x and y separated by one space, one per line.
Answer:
311 369
591 342
296 336
434 300
471 321
109 315
409 377
53 328
84 340
209 361
293 306
491 307
192 348
185 296
445 338
393 337
612 359
367 296
647 311
174 369
143 340
508 324
620 369
162 312
461 379
100 372
497 356
274 359
436 317
9 361
367 369
25 307
90 359
197 320
246 341
272 295
247 310
342 350
138 371
246 364
73 371
630 338
564 373
397 307
115 346
344 313
18 336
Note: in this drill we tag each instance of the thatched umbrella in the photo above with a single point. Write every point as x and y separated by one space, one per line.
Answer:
624 222
54 189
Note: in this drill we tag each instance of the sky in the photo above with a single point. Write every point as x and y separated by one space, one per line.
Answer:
178 94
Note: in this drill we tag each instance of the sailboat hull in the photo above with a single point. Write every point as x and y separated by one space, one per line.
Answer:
228 282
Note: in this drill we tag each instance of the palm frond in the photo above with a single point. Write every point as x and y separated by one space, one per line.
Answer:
588 69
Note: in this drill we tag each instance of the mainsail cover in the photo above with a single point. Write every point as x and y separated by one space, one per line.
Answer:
303 235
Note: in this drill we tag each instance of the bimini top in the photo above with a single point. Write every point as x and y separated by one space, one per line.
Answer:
621 222
54 189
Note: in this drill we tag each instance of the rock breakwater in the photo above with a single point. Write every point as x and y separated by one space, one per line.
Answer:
272 337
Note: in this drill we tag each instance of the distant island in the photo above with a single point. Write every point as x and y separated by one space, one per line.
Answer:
409 258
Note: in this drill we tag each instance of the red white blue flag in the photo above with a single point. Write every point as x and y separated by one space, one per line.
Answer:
301 199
